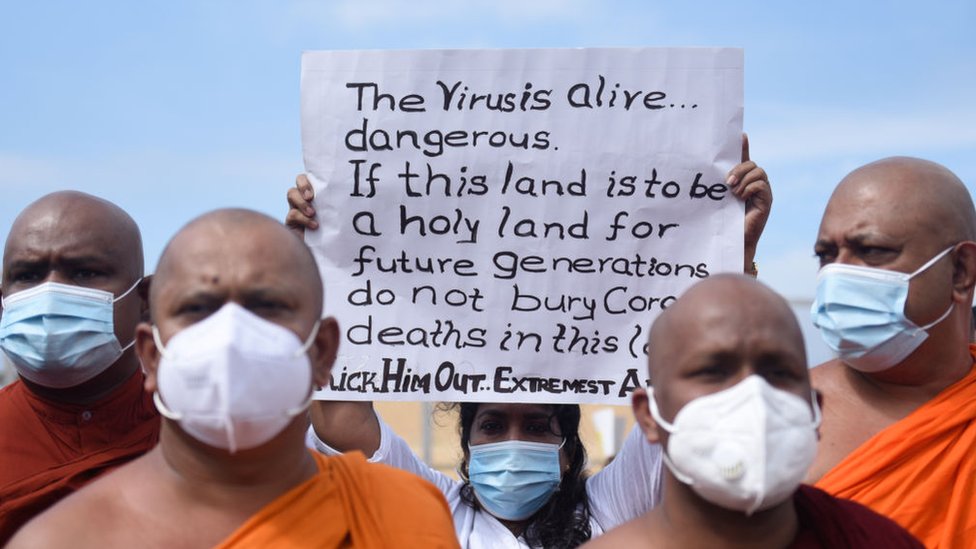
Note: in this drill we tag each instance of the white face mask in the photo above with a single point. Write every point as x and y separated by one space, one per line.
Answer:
233 380
746 448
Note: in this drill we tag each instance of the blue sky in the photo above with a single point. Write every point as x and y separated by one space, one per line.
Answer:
174 108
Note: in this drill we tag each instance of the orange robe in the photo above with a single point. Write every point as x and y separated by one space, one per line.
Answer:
921 471
351 503
48 449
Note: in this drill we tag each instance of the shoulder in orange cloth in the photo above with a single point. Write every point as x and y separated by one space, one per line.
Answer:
48 450
921 471
351 503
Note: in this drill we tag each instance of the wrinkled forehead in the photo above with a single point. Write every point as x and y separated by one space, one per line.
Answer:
70 231
889 201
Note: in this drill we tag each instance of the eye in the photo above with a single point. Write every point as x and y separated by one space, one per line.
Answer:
195 309
876 254
87 274
780 375
825 255
780 370
266 305
490 426
26 276
713 372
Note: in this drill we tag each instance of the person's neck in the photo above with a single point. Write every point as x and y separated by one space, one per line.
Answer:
93 390
687 520
942 360
516 527
213 474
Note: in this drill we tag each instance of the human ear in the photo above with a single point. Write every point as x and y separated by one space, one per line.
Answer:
143 290
964 272
148 354
642 415
326 348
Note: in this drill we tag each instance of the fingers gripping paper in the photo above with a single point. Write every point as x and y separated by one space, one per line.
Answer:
504 225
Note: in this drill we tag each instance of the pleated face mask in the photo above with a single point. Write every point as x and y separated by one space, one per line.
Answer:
61 335
515 478
234 380
860 312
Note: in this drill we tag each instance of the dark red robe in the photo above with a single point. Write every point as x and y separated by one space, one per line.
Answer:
830 522
49 449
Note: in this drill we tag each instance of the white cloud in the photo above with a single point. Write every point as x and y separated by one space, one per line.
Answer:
808 133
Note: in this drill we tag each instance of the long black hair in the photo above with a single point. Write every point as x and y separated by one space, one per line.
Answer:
564 521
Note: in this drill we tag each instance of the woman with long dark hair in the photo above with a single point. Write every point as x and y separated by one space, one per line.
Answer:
563 518
523 481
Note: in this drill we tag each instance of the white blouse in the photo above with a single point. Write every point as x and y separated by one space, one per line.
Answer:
623 490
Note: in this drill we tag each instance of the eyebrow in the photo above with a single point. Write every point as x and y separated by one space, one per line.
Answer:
203 295
88 260
268 292
19 264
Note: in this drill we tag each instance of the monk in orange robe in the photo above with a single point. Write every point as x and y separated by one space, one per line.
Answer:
899 430
65 422
345 490
933 496
236 344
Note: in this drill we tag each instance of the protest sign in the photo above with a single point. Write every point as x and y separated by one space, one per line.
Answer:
504 225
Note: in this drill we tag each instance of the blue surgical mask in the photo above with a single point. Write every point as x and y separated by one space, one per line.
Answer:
59 335
514 479
860 312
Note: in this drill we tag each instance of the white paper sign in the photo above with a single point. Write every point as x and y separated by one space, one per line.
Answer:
504 225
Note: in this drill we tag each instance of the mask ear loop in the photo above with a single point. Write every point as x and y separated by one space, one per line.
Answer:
127 292
816 408
922 269
940 319
163 410
669 428
158 341
292 412
931 262
307 344
157 400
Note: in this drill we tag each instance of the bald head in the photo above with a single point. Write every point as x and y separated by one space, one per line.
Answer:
72 225
237 251
76 239
913 189
728 319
